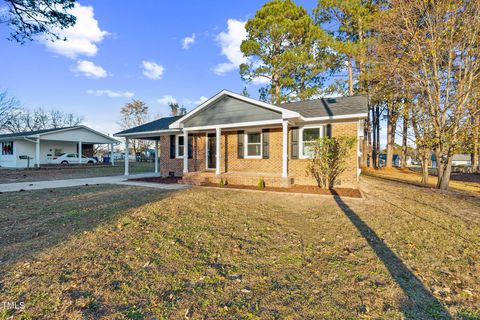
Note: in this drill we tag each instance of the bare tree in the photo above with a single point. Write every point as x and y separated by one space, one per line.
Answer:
439 43
22 119
133 114
8 105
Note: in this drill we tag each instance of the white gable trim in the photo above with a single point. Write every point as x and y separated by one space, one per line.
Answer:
286 114
76 128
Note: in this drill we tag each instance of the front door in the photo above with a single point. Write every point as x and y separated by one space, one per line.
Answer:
211 151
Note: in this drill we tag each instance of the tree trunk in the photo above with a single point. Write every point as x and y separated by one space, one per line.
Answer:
377 115
425 167
350 77
390 138
404 140
446 171
374 139
475 151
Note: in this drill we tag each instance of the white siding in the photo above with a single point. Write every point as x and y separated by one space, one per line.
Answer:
76 135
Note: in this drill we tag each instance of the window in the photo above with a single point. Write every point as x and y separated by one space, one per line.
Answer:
180 146
309 137
58 152
253 145
7 148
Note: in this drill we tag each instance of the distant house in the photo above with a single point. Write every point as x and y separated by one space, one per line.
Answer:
462 160
457 160
396 160
241 140
35 148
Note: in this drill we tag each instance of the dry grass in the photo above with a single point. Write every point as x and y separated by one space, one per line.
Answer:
71 172
459 181
134 253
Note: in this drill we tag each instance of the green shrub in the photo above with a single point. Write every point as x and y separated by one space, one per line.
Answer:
261 184
221 183
329 159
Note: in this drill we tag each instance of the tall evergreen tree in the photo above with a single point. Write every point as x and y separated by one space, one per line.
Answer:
284 46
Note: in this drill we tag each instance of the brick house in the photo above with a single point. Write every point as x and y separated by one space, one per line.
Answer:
241 140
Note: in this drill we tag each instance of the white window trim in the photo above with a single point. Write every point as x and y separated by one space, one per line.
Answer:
245 144
177 156
300 142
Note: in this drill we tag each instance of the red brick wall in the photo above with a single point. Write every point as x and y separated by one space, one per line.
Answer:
197 163
297 168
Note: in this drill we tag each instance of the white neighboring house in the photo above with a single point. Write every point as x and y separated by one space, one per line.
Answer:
461 160
43 145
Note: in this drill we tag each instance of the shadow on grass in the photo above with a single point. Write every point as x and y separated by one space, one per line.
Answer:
420 303
34 221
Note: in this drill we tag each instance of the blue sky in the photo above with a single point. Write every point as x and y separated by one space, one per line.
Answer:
101 67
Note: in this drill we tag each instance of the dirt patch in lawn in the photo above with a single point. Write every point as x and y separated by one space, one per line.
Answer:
343 192
166 180
117 252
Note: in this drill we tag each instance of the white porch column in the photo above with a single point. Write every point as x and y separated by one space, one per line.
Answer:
80 152
126 156
285 149
156 156
218 149
112 161
37 152
185 151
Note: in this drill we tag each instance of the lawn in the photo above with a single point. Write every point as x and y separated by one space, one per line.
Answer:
122 252
469 182
71 172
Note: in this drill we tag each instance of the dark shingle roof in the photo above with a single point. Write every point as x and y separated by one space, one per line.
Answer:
160 124
30 133
325 107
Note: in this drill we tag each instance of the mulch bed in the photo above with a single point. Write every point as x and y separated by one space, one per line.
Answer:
342 192
167 180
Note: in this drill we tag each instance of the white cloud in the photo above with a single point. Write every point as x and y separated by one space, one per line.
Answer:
111 94
188 41
82 38
260 80
230 42
89 69
201 100
166 100
152 70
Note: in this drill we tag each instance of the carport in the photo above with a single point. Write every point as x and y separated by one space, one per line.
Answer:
19 148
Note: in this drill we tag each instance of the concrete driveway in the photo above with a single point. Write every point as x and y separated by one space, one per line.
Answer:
121 180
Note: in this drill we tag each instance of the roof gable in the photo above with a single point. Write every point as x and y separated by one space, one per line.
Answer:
284 113
228 110
67 133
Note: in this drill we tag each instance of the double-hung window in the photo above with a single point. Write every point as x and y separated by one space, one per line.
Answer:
309 137
253 144
7 148
180 146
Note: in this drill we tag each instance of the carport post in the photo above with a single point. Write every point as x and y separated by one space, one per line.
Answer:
37 152
126 156
156 156
80 152
111 155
